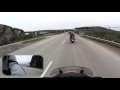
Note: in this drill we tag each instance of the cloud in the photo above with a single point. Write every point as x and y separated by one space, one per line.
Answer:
30 21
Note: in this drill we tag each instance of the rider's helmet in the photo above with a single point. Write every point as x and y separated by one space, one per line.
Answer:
12 58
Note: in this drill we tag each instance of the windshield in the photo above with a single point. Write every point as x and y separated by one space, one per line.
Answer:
74 69
60 40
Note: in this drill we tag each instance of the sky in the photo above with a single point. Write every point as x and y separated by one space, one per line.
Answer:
22 59
32 21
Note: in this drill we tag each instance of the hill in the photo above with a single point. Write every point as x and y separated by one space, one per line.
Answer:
9 34
101 32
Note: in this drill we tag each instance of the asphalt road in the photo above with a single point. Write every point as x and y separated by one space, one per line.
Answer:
32 71
58 51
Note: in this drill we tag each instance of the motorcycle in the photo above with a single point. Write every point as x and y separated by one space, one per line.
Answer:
72 39
72 72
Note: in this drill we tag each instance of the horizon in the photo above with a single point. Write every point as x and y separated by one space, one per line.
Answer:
69 28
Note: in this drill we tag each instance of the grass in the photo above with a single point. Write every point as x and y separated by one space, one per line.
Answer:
27 37
31 41
112 35
102 33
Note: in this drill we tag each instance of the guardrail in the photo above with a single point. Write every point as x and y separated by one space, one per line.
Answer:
103 40
44 36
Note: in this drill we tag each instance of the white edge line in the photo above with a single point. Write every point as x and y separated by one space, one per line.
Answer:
63 42
46 69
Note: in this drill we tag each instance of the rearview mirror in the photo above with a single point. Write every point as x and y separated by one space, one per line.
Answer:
22 65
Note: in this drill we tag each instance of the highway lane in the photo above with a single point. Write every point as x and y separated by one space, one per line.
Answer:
58 51
32 71
32 50
86 54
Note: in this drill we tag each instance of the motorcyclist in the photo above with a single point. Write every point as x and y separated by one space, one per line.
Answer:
72 36
13 67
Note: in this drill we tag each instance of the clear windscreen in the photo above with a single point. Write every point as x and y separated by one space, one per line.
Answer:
75 69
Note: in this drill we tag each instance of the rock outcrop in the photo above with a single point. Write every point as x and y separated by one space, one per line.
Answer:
37 61
9 34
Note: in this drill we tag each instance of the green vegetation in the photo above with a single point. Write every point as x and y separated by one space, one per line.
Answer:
101 32
26 37
39 33
53 31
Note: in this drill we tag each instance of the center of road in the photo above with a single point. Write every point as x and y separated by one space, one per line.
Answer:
50 63
48 40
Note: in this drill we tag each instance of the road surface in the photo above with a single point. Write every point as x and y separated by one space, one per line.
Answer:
58 51
32 71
